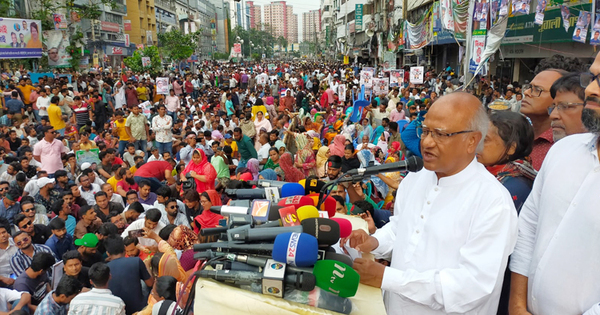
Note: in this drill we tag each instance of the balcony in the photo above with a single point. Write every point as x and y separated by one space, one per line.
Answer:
165 4
118 8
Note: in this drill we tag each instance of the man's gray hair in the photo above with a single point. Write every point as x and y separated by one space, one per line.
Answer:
480 122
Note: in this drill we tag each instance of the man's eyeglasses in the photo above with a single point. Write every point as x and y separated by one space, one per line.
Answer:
172 207
3 188
586 78
26 225
561 107
28 209
437 134
536 91
23 241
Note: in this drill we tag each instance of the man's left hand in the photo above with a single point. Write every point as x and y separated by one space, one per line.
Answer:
371 272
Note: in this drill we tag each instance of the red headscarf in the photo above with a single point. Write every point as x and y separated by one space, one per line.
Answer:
202 168
292 174
209 219
337 147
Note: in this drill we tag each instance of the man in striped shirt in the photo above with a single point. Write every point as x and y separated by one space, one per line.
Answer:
100 300
21 260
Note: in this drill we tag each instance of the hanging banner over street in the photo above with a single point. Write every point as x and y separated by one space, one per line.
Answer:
419 34
539 12
416 75
478 45
565 13
358 13
56 43
583 22
461 17
20 38
595 38
446 15
396 78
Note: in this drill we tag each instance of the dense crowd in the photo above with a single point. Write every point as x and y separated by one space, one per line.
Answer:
102 172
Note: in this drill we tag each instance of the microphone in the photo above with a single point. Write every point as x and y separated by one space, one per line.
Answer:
235 247
260 235
306 212
237 210
325 230
339 257
296 201
321 299
254 261
266 183
292 189
296 249
336 277
412 164
246 193
345 226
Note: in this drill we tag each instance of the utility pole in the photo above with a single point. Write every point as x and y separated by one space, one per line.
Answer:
469 48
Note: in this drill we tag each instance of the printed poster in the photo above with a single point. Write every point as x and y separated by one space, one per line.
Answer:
493 11
521 7
477 53
539 12
580 32
56 43
416 75
90 156
60 21
342 92
595 38
503 8
381 86
396 78
146 62
366 78
446 15
20 38
162 85
564 11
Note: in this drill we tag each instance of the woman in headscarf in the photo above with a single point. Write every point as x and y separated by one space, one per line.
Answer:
203 172
322 156
337 147
366 158
349 160
259 107
305 157
267 174
273 162
208 219
292 174
394 150
309 125
259 123
367 129
254 167
382 143
376 135
221 167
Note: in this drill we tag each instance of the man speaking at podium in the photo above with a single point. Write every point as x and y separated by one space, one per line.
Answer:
454 224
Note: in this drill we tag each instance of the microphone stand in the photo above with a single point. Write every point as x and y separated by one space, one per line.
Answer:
324 193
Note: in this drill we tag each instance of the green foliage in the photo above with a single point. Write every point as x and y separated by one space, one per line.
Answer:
220 56
7 8
176 46
256 57
283 43
135 61
262 39
73 50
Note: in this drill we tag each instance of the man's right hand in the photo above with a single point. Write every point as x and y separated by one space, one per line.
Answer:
361 241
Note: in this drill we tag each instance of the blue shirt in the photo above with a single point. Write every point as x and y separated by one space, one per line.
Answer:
229 107
60 246
14 106
49 307
10 212
125 282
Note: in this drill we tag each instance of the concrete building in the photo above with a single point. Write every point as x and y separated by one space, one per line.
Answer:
143 22
311 25
255 15
165 15
281 20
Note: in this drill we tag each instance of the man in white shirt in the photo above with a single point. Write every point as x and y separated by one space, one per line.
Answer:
150 221
454 224
555 263
119 95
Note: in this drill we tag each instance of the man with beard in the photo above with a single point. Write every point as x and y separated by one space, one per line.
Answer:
104 207
133 212
76 193
62 209
7 249
60 242
62 180
88 248
39 233
558 224
9 206
126 183
118 220
87 189
169 215
88 222
334 167
29 209
4 187
21 260
47 195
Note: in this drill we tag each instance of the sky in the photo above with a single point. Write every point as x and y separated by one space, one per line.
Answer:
299 6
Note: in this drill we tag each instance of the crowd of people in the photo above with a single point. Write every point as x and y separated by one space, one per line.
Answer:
101 172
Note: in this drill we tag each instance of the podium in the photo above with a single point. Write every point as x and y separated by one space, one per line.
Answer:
213 297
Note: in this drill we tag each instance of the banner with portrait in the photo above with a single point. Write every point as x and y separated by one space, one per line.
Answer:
396 78
56 43
595 38
416 75
162 85
583 22
521 6
20 38
539 12
381 86
366 78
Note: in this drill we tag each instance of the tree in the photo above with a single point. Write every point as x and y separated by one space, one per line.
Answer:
259 38
283 43
176 46
135 61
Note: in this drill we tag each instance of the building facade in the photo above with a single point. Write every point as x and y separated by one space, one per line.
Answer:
142 18
311 25
255 15
280 20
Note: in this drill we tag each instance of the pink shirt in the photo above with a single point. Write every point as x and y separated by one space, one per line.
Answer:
172 103
395 115
50 155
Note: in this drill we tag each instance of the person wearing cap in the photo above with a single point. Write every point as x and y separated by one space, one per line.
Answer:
48 152
88 248
9 205
333 168
47 195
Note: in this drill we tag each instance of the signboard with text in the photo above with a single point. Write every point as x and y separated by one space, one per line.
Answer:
358 11
20 38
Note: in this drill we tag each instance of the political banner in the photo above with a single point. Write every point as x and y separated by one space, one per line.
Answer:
366 78
539 12
389 60
60 21
446 15
342 92
416 75
595 38
580 32
521 6
503 8
396 78
162 85
146 62
478 46
565 13
56 43
127 41
90 156
381 86
20 38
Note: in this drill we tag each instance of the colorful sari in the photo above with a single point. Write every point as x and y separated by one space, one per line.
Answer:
292 174
322 157
209 219
306 157
202 168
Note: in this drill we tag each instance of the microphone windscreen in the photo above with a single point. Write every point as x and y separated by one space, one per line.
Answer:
313 185
306 212
325 230
345 227
329 205
336 277
274 213
339 257
296 249
291 189
415 164
296 201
